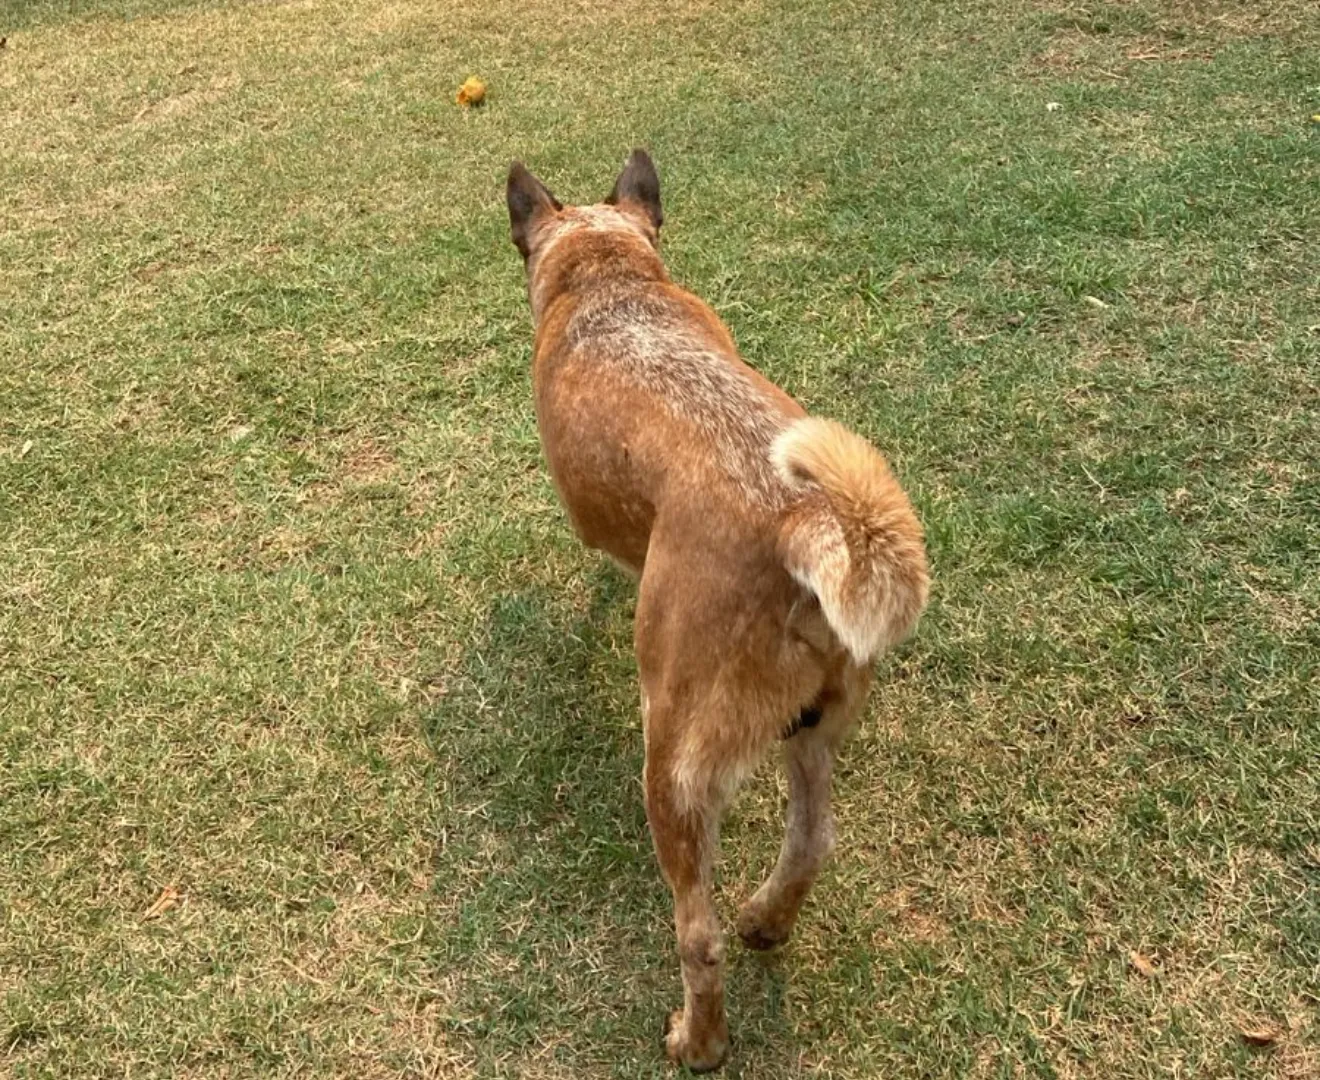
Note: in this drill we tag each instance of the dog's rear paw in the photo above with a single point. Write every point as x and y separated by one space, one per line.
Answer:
698 1054
759 930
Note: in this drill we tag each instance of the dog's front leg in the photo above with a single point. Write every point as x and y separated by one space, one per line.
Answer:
683 816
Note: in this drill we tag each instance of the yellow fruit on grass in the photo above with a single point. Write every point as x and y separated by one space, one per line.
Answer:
472 92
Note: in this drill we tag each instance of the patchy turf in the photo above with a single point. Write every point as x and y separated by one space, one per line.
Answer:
297 654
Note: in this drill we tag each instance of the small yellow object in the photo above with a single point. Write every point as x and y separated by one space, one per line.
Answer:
472 92
1315 118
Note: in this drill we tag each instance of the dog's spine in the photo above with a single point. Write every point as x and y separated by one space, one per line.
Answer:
860 549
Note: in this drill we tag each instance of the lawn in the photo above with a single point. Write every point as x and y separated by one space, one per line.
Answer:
319 743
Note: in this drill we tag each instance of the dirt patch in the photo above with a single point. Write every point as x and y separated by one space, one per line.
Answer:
913 923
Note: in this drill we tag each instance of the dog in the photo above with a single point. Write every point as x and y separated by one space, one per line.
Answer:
776 555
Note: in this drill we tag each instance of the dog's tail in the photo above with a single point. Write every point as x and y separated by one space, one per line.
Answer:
860 548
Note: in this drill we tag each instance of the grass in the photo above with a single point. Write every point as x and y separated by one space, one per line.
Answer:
291 623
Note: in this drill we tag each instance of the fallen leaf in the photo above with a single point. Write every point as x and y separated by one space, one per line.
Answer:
168 898
1095 301
1144 965
1260 1035
24 452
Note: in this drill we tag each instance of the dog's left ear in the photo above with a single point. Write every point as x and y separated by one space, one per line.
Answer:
638 184
528 198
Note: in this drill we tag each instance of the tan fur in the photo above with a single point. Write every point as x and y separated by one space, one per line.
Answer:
777 555
862 553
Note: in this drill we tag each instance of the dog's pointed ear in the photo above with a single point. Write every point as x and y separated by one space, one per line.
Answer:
528 198
640 185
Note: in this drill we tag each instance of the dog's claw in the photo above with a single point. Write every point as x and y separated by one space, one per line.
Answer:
759 940
680 1055
755 934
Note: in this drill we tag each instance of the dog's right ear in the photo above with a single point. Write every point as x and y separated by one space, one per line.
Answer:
527 198
638 184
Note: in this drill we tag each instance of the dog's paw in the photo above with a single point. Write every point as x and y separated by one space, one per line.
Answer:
698 1054
759 929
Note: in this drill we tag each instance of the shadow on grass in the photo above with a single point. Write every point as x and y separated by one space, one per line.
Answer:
543 850
539 726
554 916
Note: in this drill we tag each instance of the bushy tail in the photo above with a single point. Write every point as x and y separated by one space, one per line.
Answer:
860 547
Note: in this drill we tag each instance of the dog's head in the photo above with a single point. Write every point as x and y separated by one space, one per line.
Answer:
539 221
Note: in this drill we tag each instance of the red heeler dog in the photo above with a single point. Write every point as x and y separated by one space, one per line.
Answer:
777 555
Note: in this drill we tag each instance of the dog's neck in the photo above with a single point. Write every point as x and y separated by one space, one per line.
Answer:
579 261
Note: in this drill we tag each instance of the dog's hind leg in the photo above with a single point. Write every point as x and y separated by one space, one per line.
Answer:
707 645
696 753
683 812
767 919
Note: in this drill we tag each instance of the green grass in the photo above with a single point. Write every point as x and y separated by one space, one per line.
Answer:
290 619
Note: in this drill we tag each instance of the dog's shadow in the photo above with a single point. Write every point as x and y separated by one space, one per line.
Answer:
552 911
538 728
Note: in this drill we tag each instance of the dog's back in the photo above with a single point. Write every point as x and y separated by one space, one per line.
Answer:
645 406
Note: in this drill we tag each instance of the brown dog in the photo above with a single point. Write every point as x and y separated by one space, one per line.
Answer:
777 555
